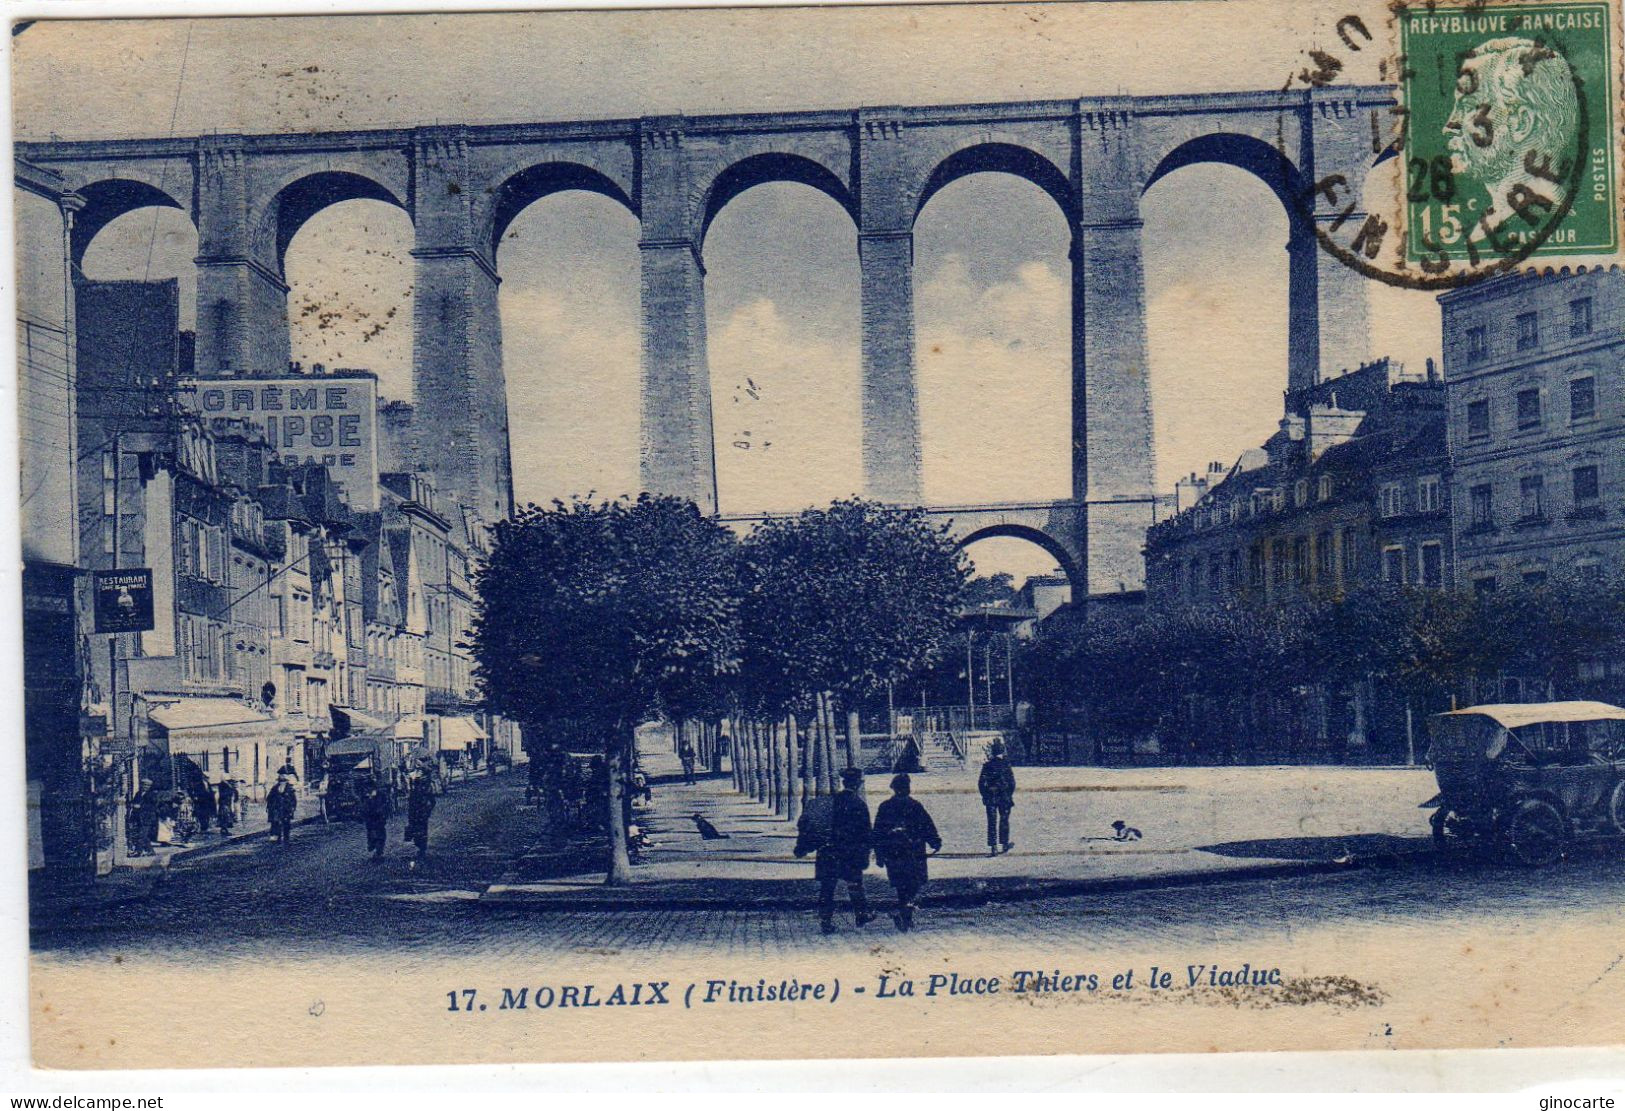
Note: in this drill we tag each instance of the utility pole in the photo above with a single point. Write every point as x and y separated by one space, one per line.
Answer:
970 682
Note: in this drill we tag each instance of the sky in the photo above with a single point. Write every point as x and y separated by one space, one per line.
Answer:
992 277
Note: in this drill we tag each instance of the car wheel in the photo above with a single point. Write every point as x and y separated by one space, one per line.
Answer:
1441 838
1536 833
1616 807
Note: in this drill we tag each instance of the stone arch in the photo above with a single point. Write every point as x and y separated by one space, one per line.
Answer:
760 169
303 196
106 201
1245 152
1069 563
1000 157
523 188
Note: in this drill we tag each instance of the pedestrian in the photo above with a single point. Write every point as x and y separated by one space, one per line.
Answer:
141 820
419 805
203 807
375 813
997 783
685 753
903 832
280 804
839 834
225 806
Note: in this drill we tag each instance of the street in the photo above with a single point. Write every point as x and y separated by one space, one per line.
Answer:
321 896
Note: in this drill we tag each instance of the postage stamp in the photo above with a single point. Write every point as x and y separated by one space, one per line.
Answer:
819 531
1510 138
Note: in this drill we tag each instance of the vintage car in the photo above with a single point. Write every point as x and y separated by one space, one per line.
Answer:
1528 778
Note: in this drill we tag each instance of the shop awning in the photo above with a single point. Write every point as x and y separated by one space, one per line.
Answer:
215 714
409 729
360 721
200 724
459 733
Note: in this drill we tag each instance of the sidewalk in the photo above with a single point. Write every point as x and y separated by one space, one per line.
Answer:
1198 824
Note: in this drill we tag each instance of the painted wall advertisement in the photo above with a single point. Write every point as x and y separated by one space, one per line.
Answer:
331 420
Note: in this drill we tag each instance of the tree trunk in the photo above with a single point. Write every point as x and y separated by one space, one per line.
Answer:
759 756
815 749
733 755
620 863
829 743
716 747
854 738
775 768
800 768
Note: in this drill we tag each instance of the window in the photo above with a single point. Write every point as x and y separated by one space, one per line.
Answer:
1323 557
1235 570
1278 498
1582 398
1215 576
1590 570
1478 420
1585 486
1280 558
1325 487
1255 566
1351 551
1534 578
1478 347
1174 588
1393 564
1531 497
1301 492
1432 563
1580 317
1484 584
1300 559
1390 502
1528 408
1428 496
1528 330
1483 504
1196 579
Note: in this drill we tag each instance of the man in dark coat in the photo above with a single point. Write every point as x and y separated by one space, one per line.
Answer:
903 832
280 804
419 805
141 820
839 834
686 755
375 813
226 805
997 783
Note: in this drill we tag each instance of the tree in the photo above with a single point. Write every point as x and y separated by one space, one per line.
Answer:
593 615
991 590
847 599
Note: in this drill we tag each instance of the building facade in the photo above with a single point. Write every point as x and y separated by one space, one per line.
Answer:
1535 367
1353 489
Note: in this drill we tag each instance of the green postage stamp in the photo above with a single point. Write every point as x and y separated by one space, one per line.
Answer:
1510 138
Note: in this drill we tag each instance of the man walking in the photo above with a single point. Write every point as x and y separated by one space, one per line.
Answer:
141 820
997 783
839 833
903 832
280 804
419 805
685 753
375 813
226 805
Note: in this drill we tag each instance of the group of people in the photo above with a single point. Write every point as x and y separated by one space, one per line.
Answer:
901 838
376 809
188 812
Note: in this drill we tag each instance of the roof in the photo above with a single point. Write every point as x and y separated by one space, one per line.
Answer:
1510 715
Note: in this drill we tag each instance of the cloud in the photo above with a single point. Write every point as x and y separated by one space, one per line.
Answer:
786 410
994 370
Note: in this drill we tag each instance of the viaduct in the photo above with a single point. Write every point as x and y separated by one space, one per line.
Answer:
462 186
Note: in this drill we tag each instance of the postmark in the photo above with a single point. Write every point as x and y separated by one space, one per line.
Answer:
1498 150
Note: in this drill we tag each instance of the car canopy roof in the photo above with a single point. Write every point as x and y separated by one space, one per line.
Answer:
1510 715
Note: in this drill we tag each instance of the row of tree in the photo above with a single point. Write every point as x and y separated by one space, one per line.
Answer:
1131 675
599 616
